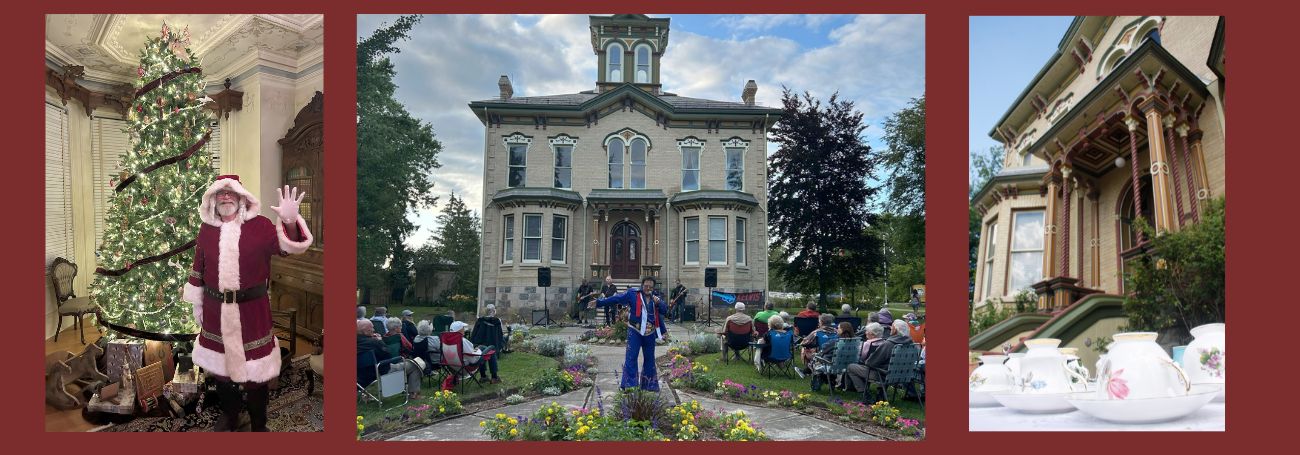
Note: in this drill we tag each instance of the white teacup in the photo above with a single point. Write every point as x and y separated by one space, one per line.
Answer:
992 375
1136 367
1044 370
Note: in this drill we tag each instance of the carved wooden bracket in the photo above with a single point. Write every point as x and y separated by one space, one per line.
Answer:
227 100
65 84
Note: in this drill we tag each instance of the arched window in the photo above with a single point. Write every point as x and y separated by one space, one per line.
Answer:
615 163
643 64
638 150
614 63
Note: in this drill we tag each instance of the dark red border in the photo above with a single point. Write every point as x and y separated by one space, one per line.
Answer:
1258 45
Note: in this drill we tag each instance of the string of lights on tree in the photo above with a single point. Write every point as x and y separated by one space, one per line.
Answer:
152 219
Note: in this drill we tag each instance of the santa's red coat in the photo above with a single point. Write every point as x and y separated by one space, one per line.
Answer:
235 339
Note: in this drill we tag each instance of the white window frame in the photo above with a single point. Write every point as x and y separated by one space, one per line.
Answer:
561 237
538 238
728 146
517 139
632 165
558 142
1011 246
682 147
722 241
610 65
647 64
742 228
610 164
990 252
508 239
688 242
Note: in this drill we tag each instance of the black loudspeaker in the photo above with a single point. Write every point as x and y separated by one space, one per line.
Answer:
711 277
544 277
688 313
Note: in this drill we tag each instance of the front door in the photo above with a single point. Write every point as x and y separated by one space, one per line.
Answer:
624 259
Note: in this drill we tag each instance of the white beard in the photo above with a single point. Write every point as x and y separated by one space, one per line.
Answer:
227 209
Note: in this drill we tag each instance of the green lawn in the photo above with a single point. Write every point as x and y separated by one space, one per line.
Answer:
517 370
745 373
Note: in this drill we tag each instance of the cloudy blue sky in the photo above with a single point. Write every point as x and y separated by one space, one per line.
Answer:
1005 55
876 61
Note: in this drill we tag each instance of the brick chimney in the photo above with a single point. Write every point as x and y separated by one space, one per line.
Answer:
506 89
748 94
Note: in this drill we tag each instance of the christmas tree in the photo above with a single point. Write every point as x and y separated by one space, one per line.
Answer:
152 219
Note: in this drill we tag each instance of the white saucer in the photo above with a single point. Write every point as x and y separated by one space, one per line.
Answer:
1146 410
983 398
1036 403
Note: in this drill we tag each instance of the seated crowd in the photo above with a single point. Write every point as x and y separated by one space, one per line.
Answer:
417 349
880 335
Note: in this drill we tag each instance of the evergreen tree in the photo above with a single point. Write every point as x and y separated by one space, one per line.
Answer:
458 243
395 154
818 194
152 220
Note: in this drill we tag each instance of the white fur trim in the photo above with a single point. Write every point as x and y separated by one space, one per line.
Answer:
290 246
228 258
232 340
207 209
213 361
265 368
194 295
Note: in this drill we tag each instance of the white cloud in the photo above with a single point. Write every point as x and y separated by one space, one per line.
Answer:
876 61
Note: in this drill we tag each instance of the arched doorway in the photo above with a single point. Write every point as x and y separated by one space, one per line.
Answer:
1127 244
624 259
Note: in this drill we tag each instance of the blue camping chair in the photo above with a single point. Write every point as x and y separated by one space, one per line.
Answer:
780 357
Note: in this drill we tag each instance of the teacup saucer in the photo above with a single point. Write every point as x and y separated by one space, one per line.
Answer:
1035 403
983 398
1145 410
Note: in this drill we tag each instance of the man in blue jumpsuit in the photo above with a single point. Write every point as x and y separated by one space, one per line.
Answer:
646 314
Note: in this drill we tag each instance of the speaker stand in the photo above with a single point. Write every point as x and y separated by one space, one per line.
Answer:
546 318
708 302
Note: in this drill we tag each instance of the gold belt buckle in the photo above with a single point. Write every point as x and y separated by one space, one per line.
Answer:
227 296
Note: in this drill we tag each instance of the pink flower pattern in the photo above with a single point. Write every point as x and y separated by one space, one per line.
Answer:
1116 386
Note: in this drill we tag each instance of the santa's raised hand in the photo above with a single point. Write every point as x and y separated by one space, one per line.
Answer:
290 198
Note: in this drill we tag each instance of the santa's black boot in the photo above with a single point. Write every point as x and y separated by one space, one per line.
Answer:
258 397
231 404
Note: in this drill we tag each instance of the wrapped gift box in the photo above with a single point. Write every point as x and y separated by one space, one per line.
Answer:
123 353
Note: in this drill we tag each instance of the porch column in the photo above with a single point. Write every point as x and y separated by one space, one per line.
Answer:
1132 123
595 242
1160 186
1187 172
659 235
1094 194
1065 221
1049 239
1168 121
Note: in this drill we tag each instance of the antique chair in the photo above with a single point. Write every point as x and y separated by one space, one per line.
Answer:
62 273
317 364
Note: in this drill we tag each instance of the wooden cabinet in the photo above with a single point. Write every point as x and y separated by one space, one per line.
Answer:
297 281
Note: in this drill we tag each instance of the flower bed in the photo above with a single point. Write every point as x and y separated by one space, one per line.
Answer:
684 422
436 406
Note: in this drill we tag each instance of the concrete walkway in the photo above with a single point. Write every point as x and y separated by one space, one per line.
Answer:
779 424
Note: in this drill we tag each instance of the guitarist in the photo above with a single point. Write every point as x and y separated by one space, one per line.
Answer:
585 300
677 302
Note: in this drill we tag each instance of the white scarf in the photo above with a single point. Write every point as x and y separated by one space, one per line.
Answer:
645 314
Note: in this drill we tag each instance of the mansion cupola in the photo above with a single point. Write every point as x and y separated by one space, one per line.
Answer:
628 48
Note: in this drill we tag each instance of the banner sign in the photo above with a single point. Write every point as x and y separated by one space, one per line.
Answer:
728 299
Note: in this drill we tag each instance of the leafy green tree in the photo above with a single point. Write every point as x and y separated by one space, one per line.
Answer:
905 158
395 155
818 194
1179 284
984 165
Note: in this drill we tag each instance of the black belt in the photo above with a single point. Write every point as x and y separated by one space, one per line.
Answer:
240 296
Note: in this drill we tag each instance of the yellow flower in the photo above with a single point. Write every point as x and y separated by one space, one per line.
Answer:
501 416
442 409
684 422
514 432
482 423
361 428
513 421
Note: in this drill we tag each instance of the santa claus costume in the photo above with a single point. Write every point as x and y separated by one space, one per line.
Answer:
228 288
